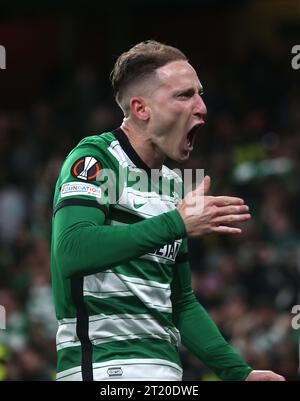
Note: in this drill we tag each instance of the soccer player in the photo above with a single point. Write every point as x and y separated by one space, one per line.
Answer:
121 277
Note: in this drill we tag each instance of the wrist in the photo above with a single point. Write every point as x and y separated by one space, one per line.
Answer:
177 223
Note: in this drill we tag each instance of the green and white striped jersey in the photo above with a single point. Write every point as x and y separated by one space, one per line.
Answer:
118 322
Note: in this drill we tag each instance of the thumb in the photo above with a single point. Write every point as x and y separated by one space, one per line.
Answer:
206 183
204 187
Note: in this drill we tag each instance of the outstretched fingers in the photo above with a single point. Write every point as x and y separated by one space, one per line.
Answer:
226 230
227 201
226 210
232 218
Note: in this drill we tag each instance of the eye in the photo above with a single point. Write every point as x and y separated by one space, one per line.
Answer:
186 94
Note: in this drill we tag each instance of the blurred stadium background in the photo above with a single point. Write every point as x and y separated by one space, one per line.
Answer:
55 90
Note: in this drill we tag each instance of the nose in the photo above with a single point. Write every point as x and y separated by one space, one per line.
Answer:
200 108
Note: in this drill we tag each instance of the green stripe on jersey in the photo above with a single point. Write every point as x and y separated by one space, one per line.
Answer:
147 270
118 306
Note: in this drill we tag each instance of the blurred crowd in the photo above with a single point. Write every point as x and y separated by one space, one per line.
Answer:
250 147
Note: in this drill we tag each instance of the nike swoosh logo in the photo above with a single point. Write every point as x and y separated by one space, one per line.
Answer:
138 205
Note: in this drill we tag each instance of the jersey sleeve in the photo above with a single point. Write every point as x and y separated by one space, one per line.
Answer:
183 255
88 177
198 331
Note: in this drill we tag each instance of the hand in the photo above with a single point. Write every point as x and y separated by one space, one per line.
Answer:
203 214
264 375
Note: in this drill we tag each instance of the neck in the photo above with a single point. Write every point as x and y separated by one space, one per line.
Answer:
141 141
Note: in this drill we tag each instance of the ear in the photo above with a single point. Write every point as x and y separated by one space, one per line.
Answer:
139 108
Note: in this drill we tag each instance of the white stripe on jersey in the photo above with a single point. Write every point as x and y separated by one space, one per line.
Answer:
107 328
153 294
144 204
104 285
128 369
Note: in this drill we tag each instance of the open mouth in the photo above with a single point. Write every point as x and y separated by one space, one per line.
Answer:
191 135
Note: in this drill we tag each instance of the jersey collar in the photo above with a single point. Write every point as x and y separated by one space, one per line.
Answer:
120 135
